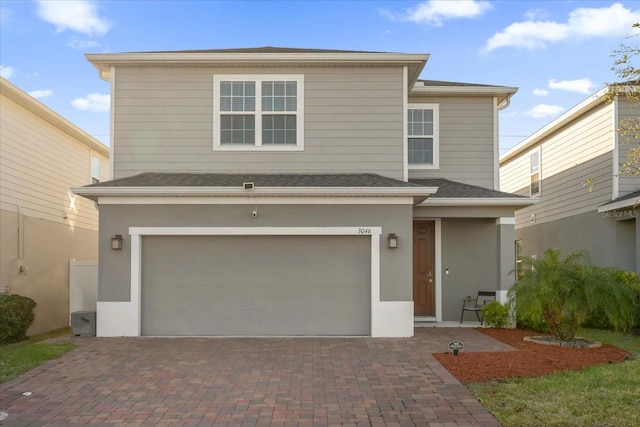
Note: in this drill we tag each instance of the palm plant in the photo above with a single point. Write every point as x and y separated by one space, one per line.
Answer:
563 291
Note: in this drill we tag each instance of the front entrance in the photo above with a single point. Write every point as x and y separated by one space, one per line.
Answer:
423 269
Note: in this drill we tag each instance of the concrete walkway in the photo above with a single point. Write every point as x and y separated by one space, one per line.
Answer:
251 382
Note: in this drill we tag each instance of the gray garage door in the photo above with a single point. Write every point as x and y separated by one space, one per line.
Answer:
256 285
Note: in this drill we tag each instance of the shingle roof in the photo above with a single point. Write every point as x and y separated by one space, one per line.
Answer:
444 83
630 196
455 190
156 179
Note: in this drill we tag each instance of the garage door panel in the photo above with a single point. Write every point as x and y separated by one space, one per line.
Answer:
256 285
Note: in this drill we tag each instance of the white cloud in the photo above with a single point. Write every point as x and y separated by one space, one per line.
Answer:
540 92
78 44
435 12
582 23
76 15
581 85
6 72
41 93
544 110
96 102
536 14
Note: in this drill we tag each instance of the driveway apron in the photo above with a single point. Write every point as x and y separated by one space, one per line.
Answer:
251 382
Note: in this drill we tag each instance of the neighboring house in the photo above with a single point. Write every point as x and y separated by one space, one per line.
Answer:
276 191
42 223
555 165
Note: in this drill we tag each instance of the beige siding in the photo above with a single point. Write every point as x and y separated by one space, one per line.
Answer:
353 122
580 150
627 184
38 165
466 140
515 175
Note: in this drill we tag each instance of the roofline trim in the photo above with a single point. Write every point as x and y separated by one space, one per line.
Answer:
479 201
31 104
465 90
575 112
612 206
104 61
257 191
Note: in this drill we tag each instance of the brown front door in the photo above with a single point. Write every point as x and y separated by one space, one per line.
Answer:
423 268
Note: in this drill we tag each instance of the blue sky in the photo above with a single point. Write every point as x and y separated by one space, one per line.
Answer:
556 52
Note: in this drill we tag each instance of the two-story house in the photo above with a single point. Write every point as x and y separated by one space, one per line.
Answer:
43 225
572 166
277 191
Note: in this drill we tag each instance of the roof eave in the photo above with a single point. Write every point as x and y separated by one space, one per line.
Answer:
34 106
418 193
501 92
622 204
587 104
104 61
480 201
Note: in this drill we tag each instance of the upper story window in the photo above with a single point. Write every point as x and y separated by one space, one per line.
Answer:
422 132
534 166
95 169
258 112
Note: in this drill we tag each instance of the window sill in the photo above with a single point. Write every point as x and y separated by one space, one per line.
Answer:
258 148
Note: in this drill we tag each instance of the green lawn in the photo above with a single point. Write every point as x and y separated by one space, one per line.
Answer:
607 395
18 358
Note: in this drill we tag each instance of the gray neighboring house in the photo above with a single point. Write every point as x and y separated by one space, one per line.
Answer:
277 191
553 165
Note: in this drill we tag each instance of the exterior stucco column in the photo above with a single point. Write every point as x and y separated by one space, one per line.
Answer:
506 256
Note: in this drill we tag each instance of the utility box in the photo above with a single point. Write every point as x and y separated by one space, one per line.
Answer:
83 323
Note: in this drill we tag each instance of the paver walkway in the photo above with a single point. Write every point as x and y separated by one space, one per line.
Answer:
251 382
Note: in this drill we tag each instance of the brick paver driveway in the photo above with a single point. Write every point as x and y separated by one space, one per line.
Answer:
250 382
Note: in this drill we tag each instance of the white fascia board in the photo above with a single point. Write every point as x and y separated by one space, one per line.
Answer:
589 103
255 200
258 191
628 203
480 201
104 61
37 108
463 90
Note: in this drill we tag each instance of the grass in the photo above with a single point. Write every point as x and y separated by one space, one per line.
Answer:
18 358
601 395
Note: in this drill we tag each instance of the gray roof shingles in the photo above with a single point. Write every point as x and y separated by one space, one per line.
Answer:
458 190
156 179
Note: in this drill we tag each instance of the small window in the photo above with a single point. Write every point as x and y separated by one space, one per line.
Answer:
422 132
261 112
95 169
534 164
519 257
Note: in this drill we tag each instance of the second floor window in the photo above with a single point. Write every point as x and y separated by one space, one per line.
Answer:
95 169
422 132
258 112
534 164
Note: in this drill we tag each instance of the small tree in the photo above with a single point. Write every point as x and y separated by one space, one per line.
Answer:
563 291
627 71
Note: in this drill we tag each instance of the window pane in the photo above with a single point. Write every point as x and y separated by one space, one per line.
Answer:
237 129
420 122
225 88
421 151
279 96
278 129
535 184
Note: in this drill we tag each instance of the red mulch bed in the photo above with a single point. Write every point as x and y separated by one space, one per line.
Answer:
530 359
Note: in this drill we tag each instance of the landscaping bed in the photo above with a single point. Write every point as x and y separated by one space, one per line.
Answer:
529 360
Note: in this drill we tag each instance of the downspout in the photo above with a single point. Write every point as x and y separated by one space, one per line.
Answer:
496 160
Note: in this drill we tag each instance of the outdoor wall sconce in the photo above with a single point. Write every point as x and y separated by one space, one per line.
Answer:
393 241
116 242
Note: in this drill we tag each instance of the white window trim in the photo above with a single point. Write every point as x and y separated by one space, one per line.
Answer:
536 150
259 78
436 135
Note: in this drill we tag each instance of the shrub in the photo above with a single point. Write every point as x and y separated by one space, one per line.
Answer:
563 291
496 315
597 319
16 315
